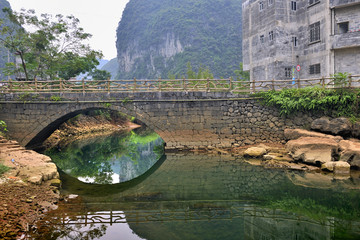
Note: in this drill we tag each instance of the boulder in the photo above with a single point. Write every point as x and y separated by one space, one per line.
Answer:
350 152
339 167
321 124
338 126
255 152
312 150
291 134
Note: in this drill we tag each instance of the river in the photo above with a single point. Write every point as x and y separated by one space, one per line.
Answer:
124 187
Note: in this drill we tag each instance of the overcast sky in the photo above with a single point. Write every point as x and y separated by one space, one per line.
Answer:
100 18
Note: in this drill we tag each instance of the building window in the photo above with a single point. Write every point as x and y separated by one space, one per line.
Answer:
270 2
261 5
312 2
288 72
314 32
262 38
343 27
271 35
293 6
315 69
294 41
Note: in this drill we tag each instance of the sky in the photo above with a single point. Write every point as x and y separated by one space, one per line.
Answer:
99 18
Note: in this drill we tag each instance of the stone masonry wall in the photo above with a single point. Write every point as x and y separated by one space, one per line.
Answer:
183 120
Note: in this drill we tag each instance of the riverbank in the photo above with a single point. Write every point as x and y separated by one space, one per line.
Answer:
27 190
30 188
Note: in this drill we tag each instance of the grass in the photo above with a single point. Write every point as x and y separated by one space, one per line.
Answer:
3 169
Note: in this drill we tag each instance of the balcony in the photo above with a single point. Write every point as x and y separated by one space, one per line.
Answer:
343 3
346 40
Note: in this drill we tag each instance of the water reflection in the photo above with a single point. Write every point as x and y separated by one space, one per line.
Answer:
190 196
109 160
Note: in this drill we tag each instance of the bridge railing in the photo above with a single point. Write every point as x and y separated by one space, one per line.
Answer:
153 85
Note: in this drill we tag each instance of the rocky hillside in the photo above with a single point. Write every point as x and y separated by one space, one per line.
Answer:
156 38
3 51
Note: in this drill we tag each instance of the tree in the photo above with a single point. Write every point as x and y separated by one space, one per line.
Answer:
242 75
47 47
201 74
98 74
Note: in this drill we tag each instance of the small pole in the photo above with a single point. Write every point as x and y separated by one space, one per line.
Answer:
184 84
273 84
231 84
36 85
83 86
108 85
253 85
350 80
159 84
207 85
298 83
134 89
61 85
323 82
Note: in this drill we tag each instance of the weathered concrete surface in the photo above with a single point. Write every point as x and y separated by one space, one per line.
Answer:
183 120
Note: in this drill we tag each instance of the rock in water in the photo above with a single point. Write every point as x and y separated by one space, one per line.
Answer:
255 152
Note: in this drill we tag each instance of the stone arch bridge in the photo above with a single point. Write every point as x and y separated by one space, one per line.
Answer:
183 119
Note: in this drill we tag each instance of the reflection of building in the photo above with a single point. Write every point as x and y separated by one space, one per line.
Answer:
322 36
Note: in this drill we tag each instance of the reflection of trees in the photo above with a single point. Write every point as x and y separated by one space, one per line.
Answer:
92 158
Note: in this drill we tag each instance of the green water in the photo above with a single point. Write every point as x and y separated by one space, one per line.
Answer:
193 196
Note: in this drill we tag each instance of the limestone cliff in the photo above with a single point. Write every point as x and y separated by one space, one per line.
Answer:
156 38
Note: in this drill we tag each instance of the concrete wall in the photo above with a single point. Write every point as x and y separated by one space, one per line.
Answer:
183 120
268 60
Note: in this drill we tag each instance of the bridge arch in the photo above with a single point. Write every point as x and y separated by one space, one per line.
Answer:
182 119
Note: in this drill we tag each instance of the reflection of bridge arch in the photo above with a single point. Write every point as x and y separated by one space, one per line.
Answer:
228 219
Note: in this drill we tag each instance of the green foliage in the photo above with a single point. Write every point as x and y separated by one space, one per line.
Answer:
242 75
341 102
97 74
3 169
94 158
208 32
201 73
309 207
52 47
55 98
3 127
340 79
